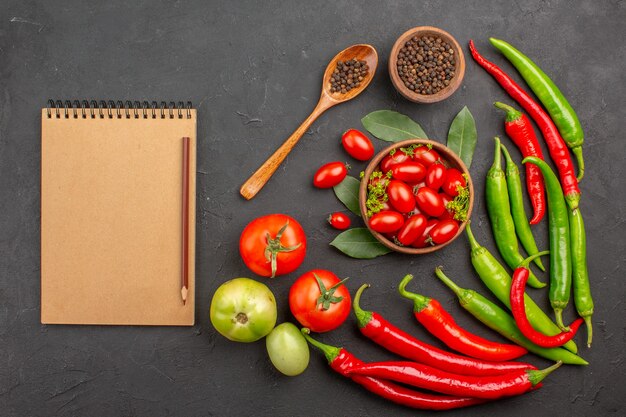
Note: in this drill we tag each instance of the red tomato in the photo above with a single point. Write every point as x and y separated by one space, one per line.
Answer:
412 229
400 196
339 221
410 172
391 160
424 239
278 236
386 221
454 179
429 202
444 231
357 145
426 156
436 176
330 174
448 214
319 300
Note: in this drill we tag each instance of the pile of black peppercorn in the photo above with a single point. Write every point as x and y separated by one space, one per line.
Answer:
348 75
426 64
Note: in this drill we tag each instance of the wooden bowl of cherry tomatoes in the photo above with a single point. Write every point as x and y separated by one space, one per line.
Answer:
416 196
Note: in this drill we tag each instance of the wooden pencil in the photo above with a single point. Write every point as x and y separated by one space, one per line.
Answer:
185 223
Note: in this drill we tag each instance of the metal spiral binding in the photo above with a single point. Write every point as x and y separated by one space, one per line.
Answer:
111 109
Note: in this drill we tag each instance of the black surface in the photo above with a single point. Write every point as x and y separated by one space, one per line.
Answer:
253 70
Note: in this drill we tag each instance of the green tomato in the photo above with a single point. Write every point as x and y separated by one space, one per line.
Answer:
243 310
288 349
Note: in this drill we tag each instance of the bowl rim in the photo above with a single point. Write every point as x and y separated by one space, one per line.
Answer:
399 84
449 156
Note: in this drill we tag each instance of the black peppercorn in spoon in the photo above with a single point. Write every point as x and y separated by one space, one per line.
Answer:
327 100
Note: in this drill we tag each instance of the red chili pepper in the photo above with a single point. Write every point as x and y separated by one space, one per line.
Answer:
431 314
518 127
518 308
558 150
425 377
342 361
376 328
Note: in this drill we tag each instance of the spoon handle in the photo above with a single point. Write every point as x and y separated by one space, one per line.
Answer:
254 184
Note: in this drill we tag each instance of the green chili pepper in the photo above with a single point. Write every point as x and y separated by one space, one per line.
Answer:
499 320
553 100
499 211
498 280
560 255
522 228
580 277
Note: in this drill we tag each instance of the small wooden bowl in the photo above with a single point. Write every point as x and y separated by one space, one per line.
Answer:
450 159
441 94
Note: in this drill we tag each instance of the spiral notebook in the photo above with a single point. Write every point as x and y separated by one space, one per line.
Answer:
112 204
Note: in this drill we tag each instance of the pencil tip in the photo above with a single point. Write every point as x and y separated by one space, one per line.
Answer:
183 293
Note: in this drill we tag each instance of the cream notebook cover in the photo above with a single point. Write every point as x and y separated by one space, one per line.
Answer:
111 214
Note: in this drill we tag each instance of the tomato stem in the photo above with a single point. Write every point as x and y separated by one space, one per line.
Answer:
274 247
327 296
241 318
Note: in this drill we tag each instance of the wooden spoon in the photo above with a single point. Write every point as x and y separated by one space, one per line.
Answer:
327 100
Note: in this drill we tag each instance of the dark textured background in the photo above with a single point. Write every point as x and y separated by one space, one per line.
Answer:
253 70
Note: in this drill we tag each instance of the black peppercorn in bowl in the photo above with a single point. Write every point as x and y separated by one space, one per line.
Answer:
426 64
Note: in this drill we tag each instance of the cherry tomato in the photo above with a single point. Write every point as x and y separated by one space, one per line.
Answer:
448 214
429 202
339 221
278 236
424 239
436 176
444 231
357 145
412 229
319 300
330 174
454 179
386 221
400 196
410 172
390 160
426 156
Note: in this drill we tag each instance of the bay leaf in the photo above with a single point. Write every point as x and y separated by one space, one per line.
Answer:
392 126
347 191
462 136
359 243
